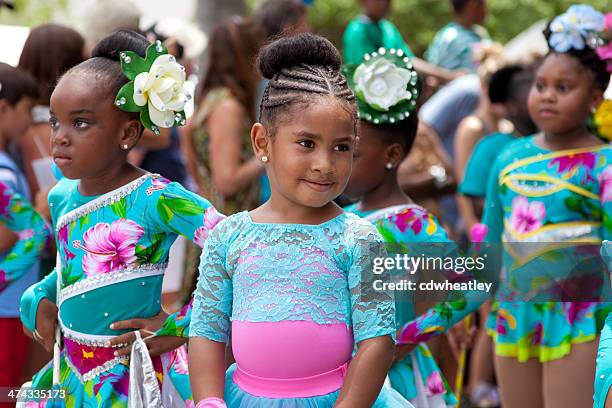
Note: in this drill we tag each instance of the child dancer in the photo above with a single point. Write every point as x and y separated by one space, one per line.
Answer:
387 130
18 216
22 231
548 195
115 224
291 280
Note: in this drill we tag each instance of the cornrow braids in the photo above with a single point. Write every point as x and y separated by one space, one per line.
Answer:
300 69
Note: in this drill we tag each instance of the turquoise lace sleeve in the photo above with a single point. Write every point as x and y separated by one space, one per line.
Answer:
372 311
46 288
19 216
212 305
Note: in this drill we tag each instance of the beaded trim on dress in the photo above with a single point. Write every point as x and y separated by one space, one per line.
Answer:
130 272
104 200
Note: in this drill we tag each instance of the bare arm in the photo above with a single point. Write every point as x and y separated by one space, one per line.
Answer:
366 373
7 238
229 172
469 132
430 69
206 368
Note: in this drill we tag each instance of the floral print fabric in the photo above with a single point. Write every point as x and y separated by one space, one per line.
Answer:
547 208
98 238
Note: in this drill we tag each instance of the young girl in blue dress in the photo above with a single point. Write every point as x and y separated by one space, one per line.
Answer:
114 225
291 281
548 206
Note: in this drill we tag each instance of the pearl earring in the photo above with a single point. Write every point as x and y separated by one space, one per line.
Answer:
125 147
389 166
264 159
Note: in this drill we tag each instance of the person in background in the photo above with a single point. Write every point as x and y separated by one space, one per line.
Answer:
49 51
18 265
282 17
452 46
371 31
486 119
105 16
228 172
508 86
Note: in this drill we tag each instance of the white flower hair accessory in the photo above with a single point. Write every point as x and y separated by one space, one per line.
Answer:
386 86
157 88
581 25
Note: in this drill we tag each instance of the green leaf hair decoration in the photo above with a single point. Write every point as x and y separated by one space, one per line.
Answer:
157 88
386 86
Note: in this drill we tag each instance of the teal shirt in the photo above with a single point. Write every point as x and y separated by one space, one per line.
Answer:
478 168
452 46
362 35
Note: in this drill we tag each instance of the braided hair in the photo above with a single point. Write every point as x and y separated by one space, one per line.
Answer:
300 69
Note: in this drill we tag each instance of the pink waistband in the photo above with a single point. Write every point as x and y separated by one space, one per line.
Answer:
320 384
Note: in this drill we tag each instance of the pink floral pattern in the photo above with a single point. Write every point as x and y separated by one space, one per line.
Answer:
572 162
411 219
605 185
211 218
4 199
526 216
110 246
435 385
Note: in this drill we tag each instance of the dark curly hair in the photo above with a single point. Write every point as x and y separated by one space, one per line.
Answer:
300 68
589 59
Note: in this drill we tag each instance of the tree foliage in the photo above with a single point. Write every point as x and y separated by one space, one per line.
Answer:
419 20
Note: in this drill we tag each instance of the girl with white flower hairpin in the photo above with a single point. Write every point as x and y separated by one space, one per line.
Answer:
549 205
388 126
114 226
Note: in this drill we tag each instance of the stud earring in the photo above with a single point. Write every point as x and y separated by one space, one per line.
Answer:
389 166
264 159
125 147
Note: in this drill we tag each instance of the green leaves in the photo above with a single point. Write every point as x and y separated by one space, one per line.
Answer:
120 208
133 64
169 206
153 253
125 99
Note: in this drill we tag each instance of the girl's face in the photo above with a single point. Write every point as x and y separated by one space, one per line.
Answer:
369 169
310 156
562 95
87 129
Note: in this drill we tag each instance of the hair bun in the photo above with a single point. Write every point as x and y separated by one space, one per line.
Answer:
304 48
123 40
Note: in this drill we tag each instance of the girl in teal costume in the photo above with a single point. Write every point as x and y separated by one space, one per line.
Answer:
549 207
114 226
386 136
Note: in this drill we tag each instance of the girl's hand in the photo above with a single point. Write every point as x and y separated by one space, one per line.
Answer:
156 345
46 322
147 328
458 338
401 351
